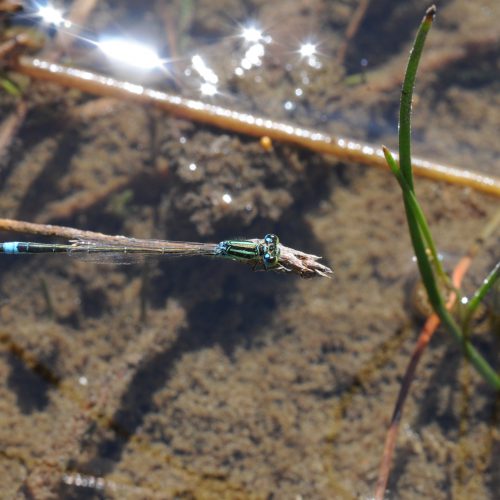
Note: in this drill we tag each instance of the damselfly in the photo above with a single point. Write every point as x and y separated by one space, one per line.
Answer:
260 254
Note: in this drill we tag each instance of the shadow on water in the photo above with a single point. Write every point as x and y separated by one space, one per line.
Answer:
30 385
379 21
235 317
440 396
443 376
232 310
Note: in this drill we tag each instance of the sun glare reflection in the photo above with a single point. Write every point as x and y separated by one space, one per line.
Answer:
307 49
208 89
209 86
249 54
251 34
309 52
131 53
255 41
51 15
253 56
203 70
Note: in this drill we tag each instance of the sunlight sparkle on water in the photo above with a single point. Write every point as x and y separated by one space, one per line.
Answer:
309 52
253 56
255 41
131 53
51 15
251 34
227 198
307 49
208 89
203 70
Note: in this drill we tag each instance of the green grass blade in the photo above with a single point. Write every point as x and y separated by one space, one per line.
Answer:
417 213
479 295
10 87
420 234
407 94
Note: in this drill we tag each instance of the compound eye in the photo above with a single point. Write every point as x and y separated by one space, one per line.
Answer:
270 259
270 250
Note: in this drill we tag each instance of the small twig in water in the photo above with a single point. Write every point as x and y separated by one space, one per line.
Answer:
352 28
10 126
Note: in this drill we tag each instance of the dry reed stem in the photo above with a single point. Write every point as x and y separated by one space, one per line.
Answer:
342 148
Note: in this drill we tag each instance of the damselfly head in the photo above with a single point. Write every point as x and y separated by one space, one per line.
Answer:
270 251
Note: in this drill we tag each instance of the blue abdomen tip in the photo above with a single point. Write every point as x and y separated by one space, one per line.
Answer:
10 247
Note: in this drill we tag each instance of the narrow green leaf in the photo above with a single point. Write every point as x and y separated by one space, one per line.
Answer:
417 214
10 87
407 95
479 295
420 234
